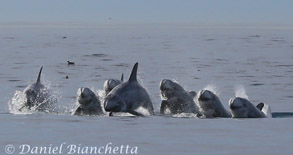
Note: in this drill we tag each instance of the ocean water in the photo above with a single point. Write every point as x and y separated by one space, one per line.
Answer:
249 62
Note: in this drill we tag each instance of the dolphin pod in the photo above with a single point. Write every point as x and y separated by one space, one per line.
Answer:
130 97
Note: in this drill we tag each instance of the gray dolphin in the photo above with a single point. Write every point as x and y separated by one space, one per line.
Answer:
210 105
243 108
176 99
112 83
89 103
128 97
36 95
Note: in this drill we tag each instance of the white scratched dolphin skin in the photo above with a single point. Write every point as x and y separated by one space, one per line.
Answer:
111 83
176 99
36 95
243 108
89 103
128 97
210 105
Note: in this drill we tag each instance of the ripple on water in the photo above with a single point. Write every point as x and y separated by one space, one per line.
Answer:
20 86
14 80
246 76
255 36
290 96
20 63
284 65
8 38
256 84
210 39
121 65
277 40
99 55
107 59
62 73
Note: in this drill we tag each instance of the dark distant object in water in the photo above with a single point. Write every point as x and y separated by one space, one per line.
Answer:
89 103
66 77
255 36
128 97
176 100
111 83
64 37
282 114
70 63
198 69
110 18
36 95
210 105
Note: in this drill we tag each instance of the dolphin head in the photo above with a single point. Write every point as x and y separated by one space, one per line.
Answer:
31 96
169 88
85 96
114 103
110 84
207 98
239 107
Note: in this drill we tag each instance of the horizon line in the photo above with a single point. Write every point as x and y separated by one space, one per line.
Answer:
168 24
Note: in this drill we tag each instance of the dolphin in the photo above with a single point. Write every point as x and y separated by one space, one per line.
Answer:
176 99
36 95
112 83
89 103
210 105
243 108
128 97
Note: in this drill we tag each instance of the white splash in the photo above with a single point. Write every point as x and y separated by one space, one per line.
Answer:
213 89
240 91
267 110
16 104
143 111
186 115
102 95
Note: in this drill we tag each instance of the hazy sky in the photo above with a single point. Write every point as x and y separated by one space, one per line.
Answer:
149 11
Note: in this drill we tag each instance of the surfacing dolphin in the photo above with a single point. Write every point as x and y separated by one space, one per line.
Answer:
176 99
89 103
112 83
210 105
128 97
243 108
36 95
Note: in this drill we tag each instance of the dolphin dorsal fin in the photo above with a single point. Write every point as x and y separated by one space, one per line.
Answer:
260 106
39 77
122 77
133 73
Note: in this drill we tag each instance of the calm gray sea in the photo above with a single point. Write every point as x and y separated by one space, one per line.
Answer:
252 62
